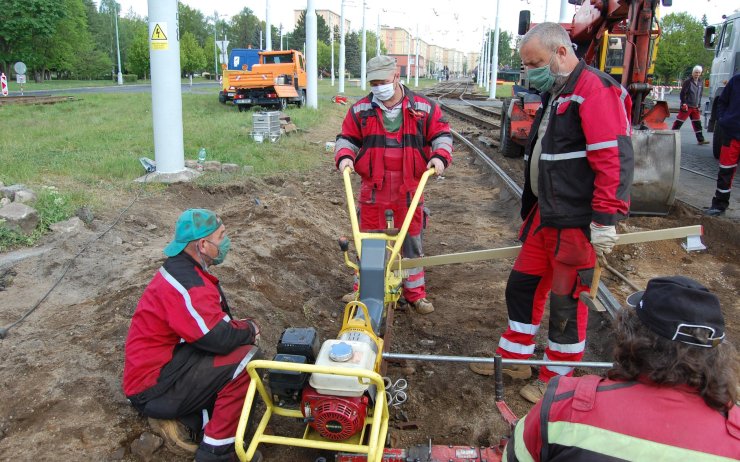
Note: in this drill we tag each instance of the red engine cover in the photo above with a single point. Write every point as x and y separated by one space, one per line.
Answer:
336 418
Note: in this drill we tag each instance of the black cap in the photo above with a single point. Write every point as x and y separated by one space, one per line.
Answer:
670 306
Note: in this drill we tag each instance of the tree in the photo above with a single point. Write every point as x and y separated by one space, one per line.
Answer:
323 32
192 21
681 47
25 25
352 50
244 30
192 57
71 39
137 60
505 55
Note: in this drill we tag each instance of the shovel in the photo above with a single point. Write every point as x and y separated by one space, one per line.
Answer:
589 298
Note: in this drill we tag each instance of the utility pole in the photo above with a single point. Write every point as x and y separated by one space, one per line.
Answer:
268 25
332 57
281 36
363 54
118 47
494 75
408 61
416 62
215 52
312 69
377 45
547 5
564 11
341 49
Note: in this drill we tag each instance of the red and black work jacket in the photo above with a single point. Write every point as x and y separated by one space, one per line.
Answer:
587 163
423 135
599 420
182 304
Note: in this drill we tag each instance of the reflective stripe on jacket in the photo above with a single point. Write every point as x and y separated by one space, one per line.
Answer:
587 163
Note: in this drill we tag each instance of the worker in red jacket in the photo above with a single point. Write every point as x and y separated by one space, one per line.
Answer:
670 396
390 138
186 357
576 187
690 99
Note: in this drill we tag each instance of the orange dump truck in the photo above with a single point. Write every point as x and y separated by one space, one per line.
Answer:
278 80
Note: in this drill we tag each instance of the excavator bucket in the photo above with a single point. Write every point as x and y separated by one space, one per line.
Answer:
657 168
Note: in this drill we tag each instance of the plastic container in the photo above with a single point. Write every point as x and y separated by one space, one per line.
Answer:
347 354
201 158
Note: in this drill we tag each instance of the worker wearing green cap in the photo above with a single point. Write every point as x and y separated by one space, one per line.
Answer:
186 356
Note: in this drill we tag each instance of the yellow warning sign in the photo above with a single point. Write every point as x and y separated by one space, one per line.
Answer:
159 35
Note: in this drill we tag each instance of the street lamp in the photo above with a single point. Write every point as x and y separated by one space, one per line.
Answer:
118 47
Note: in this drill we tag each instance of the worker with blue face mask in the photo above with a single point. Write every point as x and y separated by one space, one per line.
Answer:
186 356
390 137
576 187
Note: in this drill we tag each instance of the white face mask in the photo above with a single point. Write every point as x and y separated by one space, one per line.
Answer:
383 92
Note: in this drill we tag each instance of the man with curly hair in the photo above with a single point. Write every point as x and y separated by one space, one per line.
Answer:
670 396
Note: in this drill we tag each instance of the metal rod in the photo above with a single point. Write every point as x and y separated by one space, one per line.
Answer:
498 374
622 277
471 359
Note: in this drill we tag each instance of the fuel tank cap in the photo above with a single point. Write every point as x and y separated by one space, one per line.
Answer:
340 352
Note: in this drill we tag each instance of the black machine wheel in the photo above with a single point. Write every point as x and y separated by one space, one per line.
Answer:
302 101
282 104
506 146
717 140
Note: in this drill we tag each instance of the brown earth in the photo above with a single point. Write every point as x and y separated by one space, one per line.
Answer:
60 370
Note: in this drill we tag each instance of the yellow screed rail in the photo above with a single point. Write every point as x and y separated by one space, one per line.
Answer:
378 421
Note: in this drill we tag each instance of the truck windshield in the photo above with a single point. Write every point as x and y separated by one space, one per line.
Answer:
278 59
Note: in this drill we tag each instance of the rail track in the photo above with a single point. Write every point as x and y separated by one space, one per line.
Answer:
26 100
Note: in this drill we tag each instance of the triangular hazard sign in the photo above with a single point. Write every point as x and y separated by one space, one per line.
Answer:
158 33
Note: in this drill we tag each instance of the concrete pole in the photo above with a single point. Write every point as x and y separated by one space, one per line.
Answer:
363 53
268 26
166 90
215 48
332 57
479 81
485 61
547 5
377 32
118 47
312 68
564 12
261 41
416 62
494 76
408 61
341 49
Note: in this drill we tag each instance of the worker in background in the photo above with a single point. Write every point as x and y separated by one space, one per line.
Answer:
670 396
691 92
186 357
576 187
728 117
390 137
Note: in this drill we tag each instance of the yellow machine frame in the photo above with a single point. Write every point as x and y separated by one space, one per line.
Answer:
377 420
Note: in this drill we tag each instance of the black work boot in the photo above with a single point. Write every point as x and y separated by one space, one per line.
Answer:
225 453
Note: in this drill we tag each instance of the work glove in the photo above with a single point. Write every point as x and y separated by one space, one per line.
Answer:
437 164
603 239
255 329
346 162
684 107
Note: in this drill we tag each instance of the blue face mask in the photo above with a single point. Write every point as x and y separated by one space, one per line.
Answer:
223 249
541 78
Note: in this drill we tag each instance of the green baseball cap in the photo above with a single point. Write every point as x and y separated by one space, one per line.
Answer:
193 224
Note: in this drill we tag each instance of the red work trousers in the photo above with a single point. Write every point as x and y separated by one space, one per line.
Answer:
695 115
550 261
728 158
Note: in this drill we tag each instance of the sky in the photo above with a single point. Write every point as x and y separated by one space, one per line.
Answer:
457 24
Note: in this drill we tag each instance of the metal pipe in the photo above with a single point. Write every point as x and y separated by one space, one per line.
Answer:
498 374
621 276
472 359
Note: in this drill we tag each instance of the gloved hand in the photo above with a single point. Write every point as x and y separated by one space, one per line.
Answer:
346 162
603 238
684 107
255 328
437 164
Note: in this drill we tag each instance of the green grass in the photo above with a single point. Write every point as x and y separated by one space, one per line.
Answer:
89 147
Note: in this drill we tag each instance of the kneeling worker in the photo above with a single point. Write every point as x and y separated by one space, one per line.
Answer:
186 356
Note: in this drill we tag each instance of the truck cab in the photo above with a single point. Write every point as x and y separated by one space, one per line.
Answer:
278 79
724 39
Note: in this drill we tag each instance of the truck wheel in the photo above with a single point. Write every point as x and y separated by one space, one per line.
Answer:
242 108
221 97
717 140
506 145
302 101
282 104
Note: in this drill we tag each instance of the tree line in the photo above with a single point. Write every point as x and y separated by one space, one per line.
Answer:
76 39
